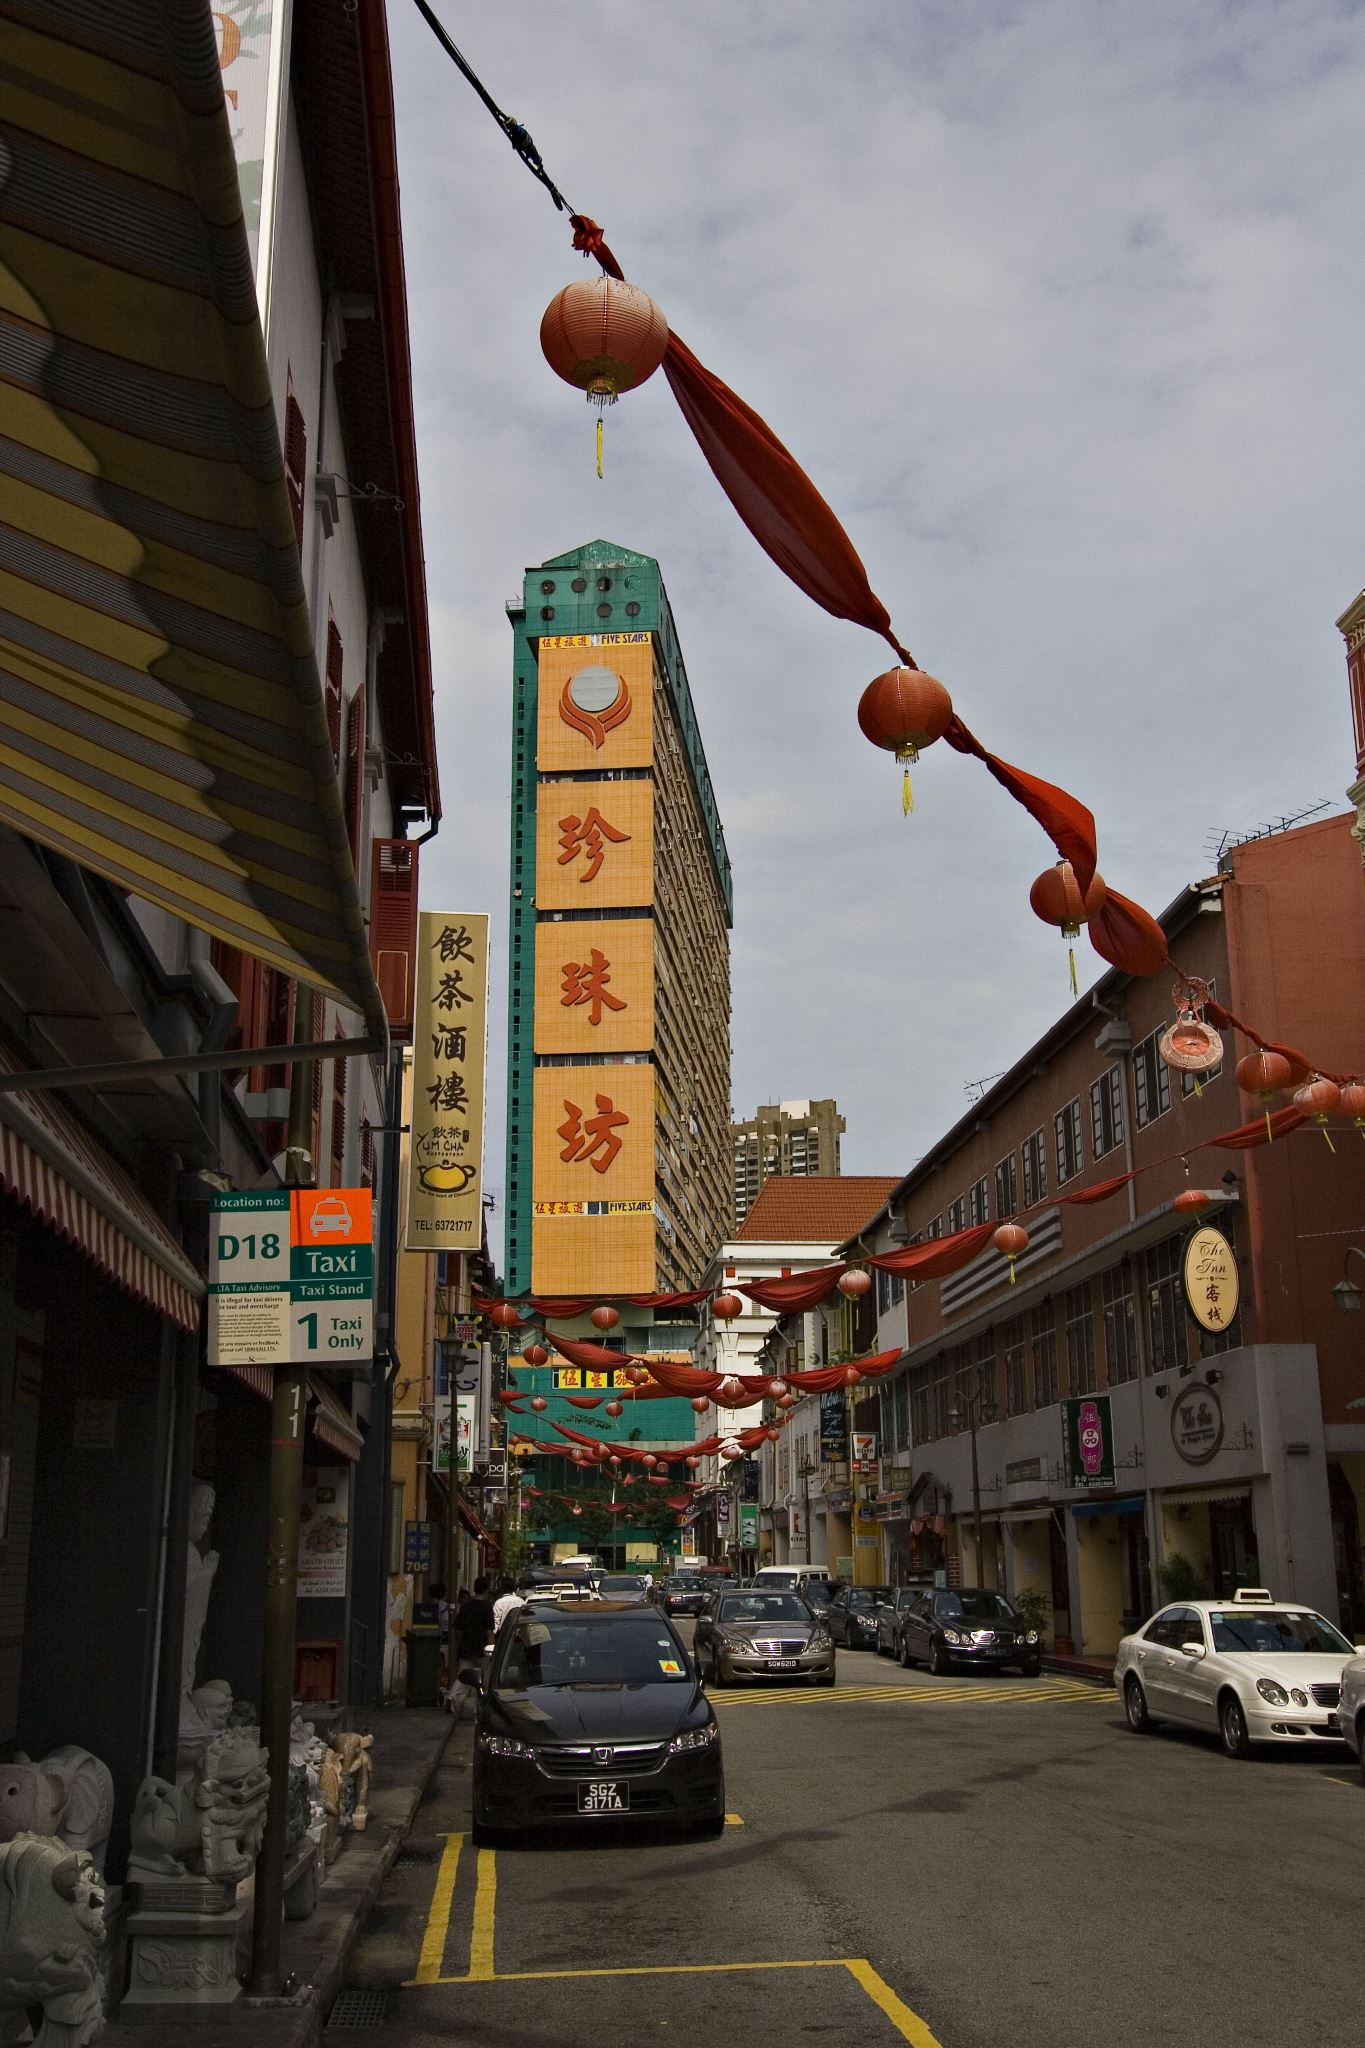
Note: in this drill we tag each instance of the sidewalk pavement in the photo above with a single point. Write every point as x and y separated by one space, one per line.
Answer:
1100 1669
408 1745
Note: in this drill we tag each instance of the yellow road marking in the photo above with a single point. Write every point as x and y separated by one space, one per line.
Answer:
736 1820
908 2024
1349 1783
481 1934
921 1695
438 1919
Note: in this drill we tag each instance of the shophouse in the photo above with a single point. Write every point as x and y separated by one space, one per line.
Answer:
217 716
1239 1447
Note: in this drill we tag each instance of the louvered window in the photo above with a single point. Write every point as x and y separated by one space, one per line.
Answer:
393 930
295 460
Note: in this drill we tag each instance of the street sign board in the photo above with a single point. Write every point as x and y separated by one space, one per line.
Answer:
1088 1435
748 1525
291 1277
417 1539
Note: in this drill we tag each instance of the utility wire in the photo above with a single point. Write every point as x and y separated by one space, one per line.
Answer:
520 138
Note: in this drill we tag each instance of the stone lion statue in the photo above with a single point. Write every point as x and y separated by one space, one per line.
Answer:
51 1928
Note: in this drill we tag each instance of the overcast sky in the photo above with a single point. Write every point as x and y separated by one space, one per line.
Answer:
1061 305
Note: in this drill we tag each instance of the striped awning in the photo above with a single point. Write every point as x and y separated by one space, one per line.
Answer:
161 714
64 1176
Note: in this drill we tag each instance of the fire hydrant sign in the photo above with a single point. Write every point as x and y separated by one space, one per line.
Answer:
291 1277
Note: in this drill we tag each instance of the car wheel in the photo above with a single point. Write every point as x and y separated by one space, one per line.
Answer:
1360 1743
907 1661
1232 1726
1135 1707
938 1659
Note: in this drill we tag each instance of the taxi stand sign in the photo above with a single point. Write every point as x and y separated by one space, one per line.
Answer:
291 1277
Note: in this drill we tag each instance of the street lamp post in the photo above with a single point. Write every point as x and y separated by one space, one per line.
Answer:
1346 1294
804 1471
975 1410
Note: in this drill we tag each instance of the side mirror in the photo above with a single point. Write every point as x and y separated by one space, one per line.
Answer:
1360 1649
1195 1650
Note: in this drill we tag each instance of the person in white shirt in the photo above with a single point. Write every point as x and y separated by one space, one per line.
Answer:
507 1601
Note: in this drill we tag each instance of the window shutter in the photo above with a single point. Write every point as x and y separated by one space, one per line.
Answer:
295 460
319 1020
332 693
355 774
339 1075
393 930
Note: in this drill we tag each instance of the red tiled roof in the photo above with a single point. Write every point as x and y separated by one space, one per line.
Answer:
817 1208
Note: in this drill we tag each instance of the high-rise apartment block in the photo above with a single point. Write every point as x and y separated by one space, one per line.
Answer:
619 1010
783 1137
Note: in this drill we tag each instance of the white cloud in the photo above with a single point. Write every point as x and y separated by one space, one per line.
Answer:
1060 305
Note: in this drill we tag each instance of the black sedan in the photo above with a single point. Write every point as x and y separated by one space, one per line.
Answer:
890 1615
592 1714
685 1593
968 1625
851 1616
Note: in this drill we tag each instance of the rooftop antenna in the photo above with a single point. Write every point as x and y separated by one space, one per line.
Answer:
1219 844
974 1090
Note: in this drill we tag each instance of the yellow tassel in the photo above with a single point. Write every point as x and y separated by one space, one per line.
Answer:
1269 1133
1198 1089
599 444
1071 956
1322 1125
907 795
1011 1272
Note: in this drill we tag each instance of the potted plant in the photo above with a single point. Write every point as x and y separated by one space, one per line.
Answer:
1034 1609
1178 1577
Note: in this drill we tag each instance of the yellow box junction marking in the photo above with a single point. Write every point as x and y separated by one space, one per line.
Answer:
1068 1690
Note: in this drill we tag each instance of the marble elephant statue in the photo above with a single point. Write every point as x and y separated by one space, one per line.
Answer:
51 1930
70 1794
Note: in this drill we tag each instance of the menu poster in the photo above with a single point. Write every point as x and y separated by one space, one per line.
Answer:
324 1505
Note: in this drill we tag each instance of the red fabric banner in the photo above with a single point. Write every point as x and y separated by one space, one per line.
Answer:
1066 821
1123 934
793 1291
1261 1130
1102 1189
939 1256
583 1400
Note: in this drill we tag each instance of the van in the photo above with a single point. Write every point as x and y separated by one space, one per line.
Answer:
784 1576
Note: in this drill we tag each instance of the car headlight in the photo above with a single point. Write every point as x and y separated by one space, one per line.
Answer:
1300 1699
695 1738
1274 1694
820 1639
1032 1636
950 1635
741 1644
503 1745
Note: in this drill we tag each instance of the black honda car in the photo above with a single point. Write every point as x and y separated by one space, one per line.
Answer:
594 1714
968 1625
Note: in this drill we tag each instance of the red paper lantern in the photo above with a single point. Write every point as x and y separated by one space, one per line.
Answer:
578 1511
1353 1104
649 1459
851 1376
604 1318
1012 1240
1264 1073
539 1403
505 1314
1191 1201
1319 1096
614 1408
772 1433
691 1463
726 1307
785 1400
903 711
730 1389
536 1354
604 337
1056 898
777 1387
854 1283
700 1403
615 1464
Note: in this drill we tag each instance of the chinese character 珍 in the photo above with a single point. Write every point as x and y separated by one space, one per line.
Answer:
586 982
585 835
594 1141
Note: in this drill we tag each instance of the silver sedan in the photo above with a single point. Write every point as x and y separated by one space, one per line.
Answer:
762 1635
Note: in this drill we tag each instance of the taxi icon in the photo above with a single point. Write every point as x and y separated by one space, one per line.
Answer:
330 1218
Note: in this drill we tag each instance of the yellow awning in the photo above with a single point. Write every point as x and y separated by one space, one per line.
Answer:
161 714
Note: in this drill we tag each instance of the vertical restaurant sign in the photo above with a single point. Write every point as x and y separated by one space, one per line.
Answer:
440 1435
833 1429
253 55
1212 1287
1088 1431
450 1043
466 1420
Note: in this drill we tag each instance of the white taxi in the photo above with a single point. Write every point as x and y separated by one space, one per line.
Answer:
1249 1669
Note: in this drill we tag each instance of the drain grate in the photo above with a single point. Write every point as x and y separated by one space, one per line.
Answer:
408 1858
355 2010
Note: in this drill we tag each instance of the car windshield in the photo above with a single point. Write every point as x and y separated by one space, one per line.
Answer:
624 1584
762 1607
816 1593
557 1650
974 1605
868 1596
779 1579
1254 1632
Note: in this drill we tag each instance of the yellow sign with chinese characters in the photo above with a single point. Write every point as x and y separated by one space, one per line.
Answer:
596 702
593 1180
449 1055
1212 1286
595 985
594 845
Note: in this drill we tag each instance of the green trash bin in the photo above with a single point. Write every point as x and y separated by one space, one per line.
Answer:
424 1666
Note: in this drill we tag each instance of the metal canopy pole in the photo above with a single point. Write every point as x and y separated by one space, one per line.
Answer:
189 1063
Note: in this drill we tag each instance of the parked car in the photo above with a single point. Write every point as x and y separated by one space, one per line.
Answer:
817 1593
852 1615
1249 1669
592 1714
968 1625
684 1593
789 1577
623 1586
760 1634
1351 1709
889 1616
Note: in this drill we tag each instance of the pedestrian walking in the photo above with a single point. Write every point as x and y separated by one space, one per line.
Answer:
508 1600
473 1631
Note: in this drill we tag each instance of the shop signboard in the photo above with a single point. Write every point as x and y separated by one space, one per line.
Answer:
833 1429
748 1525
324 1500
291 1277
1088 1435
1197 1423
1212 1288
449 1048
417 1540
466 1407
722 1510
440 1435
864 1446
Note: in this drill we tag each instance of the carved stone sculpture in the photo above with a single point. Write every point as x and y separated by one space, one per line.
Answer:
355 1754
204 1709
210 1826
51 1930
69 1794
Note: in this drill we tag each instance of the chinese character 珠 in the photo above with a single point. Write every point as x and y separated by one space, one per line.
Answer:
586 982
585 835
594 1141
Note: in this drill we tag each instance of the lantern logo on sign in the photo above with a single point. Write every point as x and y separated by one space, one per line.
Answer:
594 700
